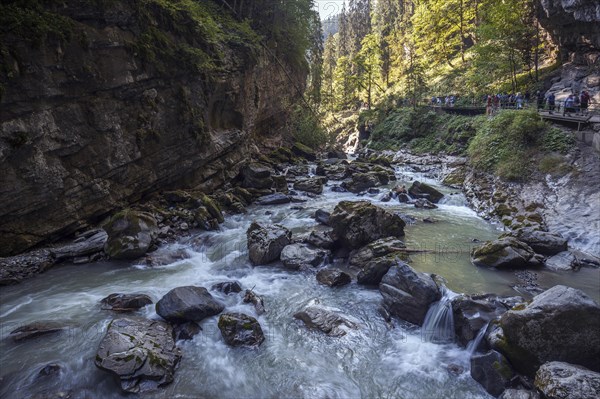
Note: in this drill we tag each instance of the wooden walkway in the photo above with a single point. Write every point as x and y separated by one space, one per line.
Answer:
580 120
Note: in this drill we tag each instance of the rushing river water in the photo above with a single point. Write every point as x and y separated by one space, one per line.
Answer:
373 361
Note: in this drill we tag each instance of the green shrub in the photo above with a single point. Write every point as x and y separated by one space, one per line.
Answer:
307 129
556 140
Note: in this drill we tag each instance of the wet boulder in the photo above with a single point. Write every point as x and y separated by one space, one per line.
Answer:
358 223
255 299
37 329
125 302
303 151
423 203
322 216
186 331
422 190
140 353
474 312
273 199
265 242
311 185
408 294
258 176
360 182
505 253
320 239
336 154
563 261
403 198
188 303
558 380
239 329
333 277
373 271
227 287
130 234
492 371
324 320
299 256
381 247
560 324
542 242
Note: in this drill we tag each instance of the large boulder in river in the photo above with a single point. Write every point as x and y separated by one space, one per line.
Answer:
140 352
560 324
360 182
505 253
125 302
382 247
37 329
265 243
358 223
273 199
239 329
130 234
327 321
304 151
311 185
492 371
333 277
542 242
422 190
558 380
300 256
373 271
474 312
407 294
257 175
188 303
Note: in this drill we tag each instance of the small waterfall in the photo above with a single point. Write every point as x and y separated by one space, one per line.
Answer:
439 321
312 170
474 344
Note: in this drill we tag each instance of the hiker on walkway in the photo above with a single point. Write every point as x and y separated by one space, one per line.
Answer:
488 106
584 100
519 100
569 104
551 100
540 100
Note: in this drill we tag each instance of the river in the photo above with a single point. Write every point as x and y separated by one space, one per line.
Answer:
372 361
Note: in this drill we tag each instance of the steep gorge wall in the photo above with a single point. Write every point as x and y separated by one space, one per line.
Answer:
127 105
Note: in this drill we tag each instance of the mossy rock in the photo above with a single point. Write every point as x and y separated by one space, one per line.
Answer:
239 329
130 234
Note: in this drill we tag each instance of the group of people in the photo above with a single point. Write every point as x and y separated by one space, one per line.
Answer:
447 101
576 103
494 102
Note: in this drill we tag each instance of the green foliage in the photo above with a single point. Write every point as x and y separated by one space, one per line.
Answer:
307 129
556 140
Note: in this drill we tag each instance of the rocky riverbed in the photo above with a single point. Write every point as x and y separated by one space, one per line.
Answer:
303 279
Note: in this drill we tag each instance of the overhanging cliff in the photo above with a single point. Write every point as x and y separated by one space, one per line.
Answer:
105 102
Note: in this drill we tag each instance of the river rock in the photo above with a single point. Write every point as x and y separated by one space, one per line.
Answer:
88 243
297 256
472 313
505 253
265 243
311 185
358 223
335 154
422 190
519 394
36 329
333 277
258 302
560 324
320 239
140 352
563 261
304 151
424 204
258 176
125 302
324 320
188 303
558 380
239 329
407 294
403 198
492 371
186 331
382 247
130 234
373 271
542 242
360 182
227 287
322 216
273 199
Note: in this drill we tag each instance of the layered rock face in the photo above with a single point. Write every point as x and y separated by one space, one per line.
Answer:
574 25
112 112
